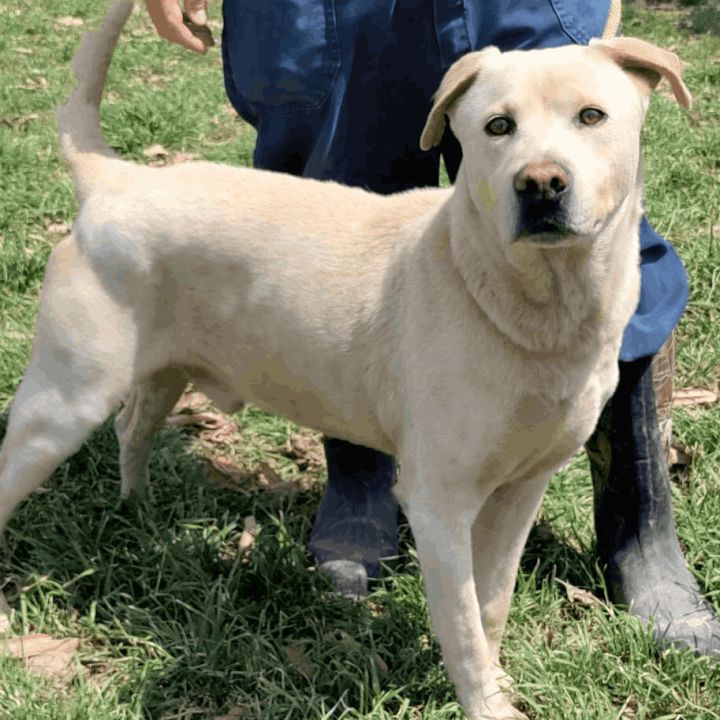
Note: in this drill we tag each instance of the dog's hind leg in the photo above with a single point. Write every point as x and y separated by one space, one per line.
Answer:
81 366
51 416
61 400
85 358
145 408
499 534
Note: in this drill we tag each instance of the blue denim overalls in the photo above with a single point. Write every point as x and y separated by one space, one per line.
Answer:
340 89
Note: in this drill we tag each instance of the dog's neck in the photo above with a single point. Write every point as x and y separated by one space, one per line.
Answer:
550 300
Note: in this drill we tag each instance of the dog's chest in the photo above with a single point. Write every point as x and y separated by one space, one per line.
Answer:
542 433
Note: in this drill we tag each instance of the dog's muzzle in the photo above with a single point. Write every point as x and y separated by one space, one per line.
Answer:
541 191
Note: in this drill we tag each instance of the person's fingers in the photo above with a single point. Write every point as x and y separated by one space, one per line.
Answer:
196 18
167 17
197 11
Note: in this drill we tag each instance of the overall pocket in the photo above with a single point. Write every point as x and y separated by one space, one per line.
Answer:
282 53
582 20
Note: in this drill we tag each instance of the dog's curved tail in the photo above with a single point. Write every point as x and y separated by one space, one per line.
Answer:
612 23
81 140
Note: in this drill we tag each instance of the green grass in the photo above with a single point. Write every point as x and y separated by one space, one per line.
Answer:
173 624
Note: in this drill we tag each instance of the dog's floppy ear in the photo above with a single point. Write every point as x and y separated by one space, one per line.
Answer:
647 63
457 80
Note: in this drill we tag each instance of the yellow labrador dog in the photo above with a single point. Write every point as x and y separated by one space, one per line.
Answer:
471 332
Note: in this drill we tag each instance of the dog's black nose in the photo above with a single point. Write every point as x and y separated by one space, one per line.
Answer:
542 189
541 181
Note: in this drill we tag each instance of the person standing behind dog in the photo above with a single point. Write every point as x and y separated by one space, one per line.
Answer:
340 91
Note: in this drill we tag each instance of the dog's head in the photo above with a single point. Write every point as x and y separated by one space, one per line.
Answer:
550 138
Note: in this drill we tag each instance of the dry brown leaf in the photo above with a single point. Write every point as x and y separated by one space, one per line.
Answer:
580 596
240 545
226 465
680 454
58 228
268 479
269 476
629 709
181 157
181 420
215 428
342 639
299 660
18 121
69 21
549 635
694 396
248 535
191 402
34 83
222 472
155 151
187 712
380 664
227 433
204 420
5 613
306 449
43 655
375 609
235 713
60 665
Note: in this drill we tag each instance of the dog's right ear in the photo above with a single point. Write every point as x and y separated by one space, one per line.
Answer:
457 80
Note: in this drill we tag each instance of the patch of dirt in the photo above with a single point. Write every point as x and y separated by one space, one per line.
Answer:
218 440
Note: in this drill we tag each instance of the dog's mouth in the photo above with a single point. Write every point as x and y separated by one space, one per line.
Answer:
543 223
545 232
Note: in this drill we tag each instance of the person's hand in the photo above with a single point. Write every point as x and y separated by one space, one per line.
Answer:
188 29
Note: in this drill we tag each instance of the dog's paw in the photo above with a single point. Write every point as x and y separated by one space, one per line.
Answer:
500 703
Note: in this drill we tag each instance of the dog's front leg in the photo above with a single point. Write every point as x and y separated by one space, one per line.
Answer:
441 522
499 534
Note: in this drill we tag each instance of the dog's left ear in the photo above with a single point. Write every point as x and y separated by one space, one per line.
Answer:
648 64
457 80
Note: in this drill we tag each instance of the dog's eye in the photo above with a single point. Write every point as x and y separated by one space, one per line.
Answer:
591 116
500 125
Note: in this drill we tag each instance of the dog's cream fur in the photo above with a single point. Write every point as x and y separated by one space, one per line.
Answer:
418 324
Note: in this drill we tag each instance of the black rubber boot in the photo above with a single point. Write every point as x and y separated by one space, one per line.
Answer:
356 523
637 541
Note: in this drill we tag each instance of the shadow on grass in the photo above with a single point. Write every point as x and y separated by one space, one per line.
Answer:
160 593
551 557
159 587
